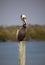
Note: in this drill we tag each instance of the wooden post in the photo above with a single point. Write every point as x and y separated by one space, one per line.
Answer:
21 53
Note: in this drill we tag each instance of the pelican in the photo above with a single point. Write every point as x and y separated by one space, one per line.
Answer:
22 31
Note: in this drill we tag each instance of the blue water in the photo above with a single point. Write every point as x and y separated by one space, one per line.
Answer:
35 53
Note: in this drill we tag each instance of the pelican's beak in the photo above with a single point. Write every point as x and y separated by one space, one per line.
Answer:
25 21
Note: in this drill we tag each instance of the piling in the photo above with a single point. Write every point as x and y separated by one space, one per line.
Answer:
21 53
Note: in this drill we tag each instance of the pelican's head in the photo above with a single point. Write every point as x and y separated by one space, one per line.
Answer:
23 18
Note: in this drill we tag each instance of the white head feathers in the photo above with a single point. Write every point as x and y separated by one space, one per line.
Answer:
23 18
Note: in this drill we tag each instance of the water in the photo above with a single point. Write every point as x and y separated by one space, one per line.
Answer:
35 53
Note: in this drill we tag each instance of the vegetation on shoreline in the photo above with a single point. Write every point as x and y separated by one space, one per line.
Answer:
34 32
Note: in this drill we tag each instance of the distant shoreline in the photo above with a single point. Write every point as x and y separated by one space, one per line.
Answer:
34 32
24 40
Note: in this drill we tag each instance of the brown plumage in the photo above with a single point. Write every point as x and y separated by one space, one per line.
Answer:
22 33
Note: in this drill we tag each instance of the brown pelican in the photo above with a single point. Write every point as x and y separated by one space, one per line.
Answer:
22 31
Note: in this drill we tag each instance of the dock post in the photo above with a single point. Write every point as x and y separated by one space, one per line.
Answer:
21 53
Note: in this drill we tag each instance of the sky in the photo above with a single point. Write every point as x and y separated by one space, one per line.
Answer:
11 10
